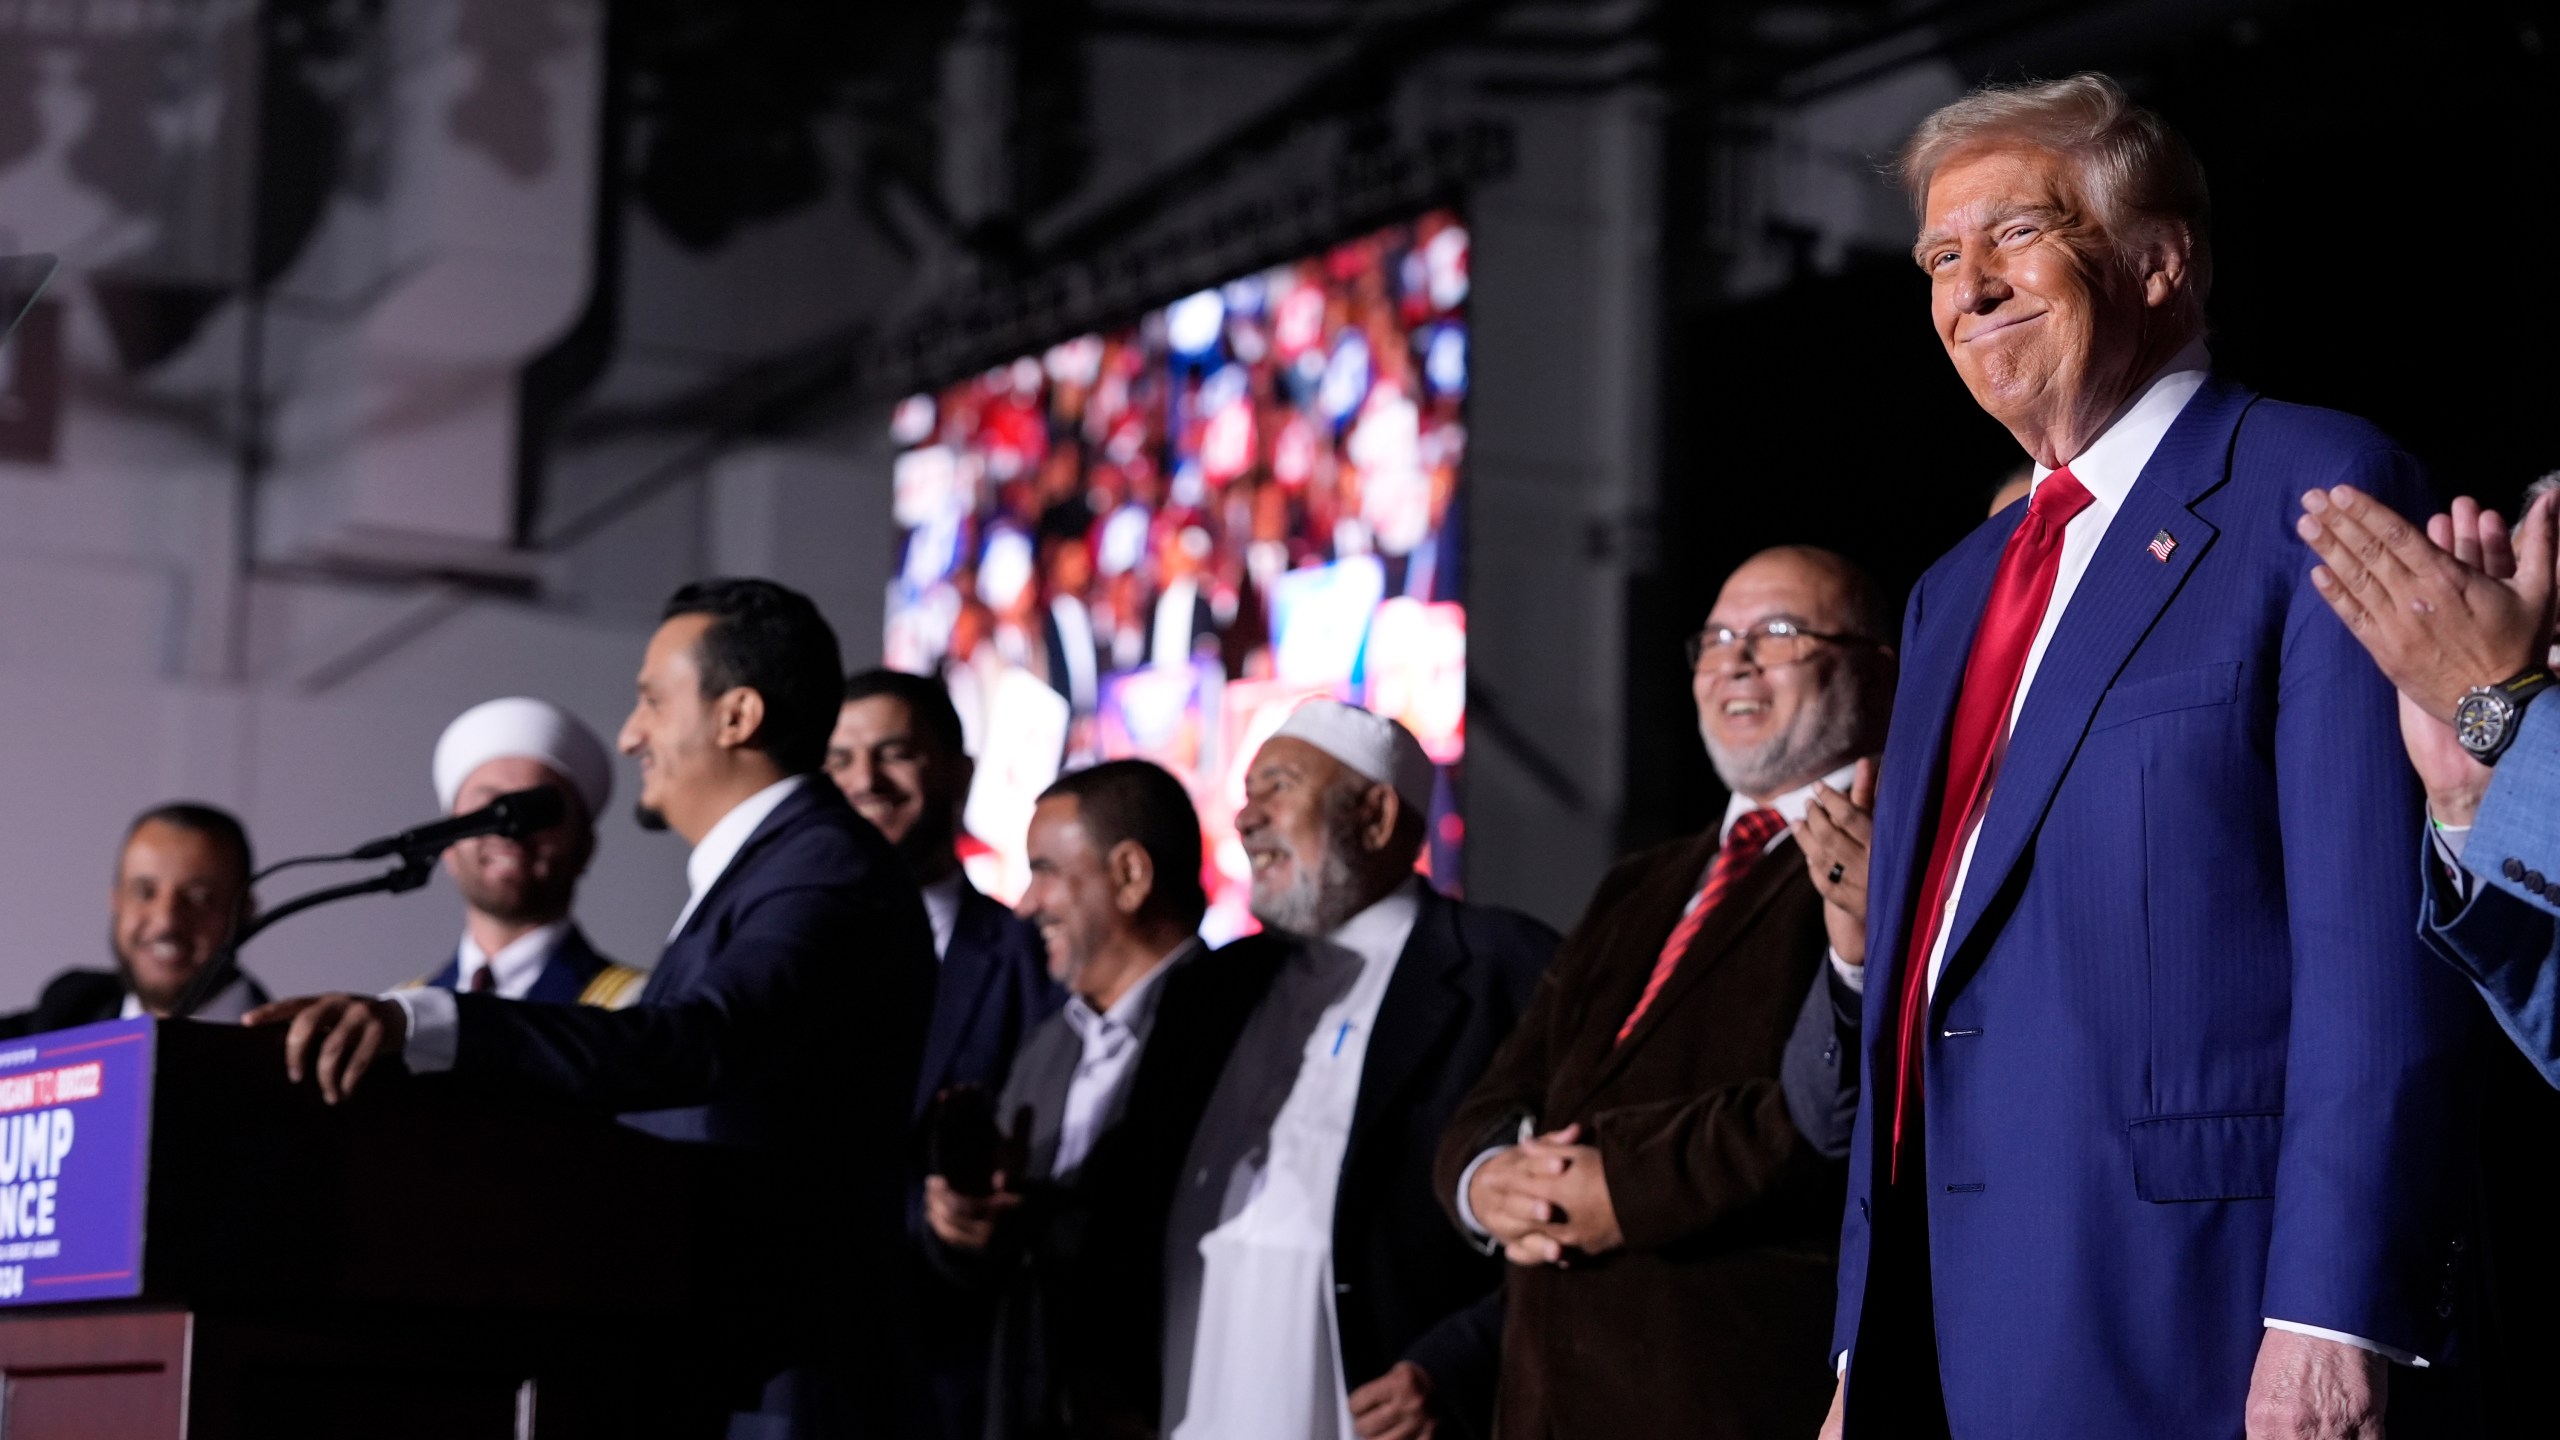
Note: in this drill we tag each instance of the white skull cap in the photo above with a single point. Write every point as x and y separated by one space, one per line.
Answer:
1372 745
527 729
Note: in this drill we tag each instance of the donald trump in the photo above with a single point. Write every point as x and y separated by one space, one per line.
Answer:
2157 1088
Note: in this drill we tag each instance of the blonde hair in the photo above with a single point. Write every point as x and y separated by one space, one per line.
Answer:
2137 173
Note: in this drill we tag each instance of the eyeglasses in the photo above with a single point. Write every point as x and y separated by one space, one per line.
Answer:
1771 642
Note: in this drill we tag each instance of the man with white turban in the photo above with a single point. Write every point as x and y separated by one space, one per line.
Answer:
518 940
1313 1289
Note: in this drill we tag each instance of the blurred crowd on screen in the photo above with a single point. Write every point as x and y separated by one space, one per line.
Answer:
1157 540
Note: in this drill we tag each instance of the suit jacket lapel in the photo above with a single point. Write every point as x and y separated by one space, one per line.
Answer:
2120 597
690 947
1650 913
1045 1073
1424 1001
966 969
1761 884
1913 769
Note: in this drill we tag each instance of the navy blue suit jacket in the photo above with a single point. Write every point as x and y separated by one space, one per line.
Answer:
995 987
2187 1066
565 971
785 1020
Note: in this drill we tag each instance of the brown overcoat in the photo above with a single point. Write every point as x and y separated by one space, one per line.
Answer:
1713 1320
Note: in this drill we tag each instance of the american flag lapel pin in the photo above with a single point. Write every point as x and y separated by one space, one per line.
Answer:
2162 545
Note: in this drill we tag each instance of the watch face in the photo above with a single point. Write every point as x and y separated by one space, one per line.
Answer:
2480 721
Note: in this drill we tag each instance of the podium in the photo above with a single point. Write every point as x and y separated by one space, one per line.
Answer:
191 1246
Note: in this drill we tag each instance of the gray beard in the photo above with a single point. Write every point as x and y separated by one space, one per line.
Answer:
1317 903
1822 739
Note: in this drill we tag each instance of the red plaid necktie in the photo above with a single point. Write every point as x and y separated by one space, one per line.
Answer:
2020 591
1742 846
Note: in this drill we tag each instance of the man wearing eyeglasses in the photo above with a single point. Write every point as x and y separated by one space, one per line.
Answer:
1657 1146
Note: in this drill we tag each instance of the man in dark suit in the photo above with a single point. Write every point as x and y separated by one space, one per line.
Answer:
2159 1126
899 757
1312 1287
181 893
1115 891
518 938
802 921
1656 1147
1072 657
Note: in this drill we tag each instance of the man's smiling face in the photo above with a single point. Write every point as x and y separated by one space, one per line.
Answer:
1770 726
2026 292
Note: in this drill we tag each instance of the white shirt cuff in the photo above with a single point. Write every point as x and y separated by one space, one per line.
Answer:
2448 841
2396 1357
1466 1182
435 1028
1840 1367
1853 976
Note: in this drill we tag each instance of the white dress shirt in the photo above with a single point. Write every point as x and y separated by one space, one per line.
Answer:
942 910
1113 1040
1265 1362
517 964
1790 807
721 843
2107 469
435 1021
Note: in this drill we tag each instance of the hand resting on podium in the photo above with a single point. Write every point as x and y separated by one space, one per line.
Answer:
351 1031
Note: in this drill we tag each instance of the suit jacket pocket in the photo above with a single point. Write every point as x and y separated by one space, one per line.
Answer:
2206 1157
2190 689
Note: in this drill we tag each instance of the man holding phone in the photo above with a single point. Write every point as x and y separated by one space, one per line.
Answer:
1055 1222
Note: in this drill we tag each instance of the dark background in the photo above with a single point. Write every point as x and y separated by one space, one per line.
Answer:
2383 183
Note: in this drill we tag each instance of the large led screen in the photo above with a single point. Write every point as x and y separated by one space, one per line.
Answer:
1156 540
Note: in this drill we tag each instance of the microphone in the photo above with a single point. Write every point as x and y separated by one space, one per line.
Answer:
514 815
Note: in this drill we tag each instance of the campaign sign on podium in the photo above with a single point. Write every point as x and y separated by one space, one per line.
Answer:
75 1125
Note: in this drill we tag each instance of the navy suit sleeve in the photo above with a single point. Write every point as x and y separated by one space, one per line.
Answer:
797 961
1819 1069
2375 1048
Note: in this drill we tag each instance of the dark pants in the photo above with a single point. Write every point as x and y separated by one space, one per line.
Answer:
1895 1391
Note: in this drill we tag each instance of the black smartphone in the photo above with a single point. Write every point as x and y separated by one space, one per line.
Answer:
960 1139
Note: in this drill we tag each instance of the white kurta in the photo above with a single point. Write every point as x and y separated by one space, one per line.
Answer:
1254 1294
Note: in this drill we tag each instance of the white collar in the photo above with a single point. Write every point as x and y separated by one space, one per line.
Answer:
942 908
1136 1006
2107 466
517 964
1792 805
722 842
1377 934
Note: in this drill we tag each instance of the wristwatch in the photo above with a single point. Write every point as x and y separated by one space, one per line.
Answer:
2485 718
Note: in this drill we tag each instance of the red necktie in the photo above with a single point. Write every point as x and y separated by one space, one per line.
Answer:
1742 846
484 979
2019 593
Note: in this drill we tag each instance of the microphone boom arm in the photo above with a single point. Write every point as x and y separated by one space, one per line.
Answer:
412 872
